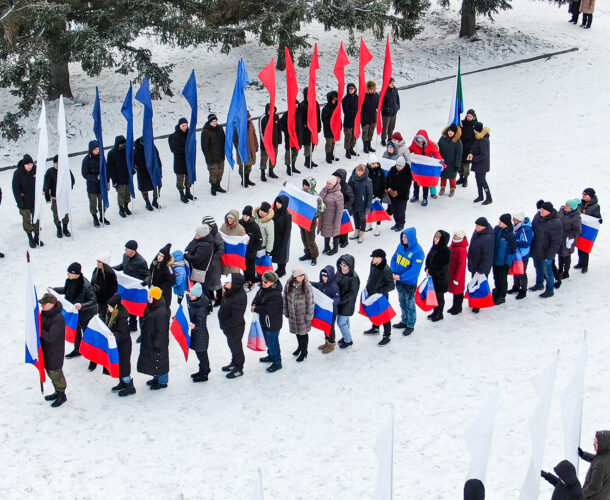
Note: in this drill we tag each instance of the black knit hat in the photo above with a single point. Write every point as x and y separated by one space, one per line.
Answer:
478 126
265 207
27 159
481 221
378 253
165 251
452 127
590 192
247 210
115 300
507 220
131 245
212 116
539 204
182 120
56 159
548 206
74 268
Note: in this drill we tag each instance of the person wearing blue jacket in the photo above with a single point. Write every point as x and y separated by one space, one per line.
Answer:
329 287
524 236
406 264
504 254
182 273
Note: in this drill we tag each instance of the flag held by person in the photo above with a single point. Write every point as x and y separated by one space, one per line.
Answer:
478 292
152 162
387 76
457 102
312 109
180 327
425 296
292 92
347 226
237 119
322 312
190 150
235 250
256 339
41 160
365 58
339 71
70 316
376 307
99 137
99 346
267 77
134 296
127 112
517 268
33 346
384 449
63 190
301 205
263 262
377 212
588 233
426 170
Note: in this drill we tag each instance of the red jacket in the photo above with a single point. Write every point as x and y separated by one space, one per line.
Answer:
457 267
430 150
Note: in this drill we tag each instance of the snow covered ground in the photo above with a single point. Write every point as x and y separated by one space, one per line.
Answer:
311 427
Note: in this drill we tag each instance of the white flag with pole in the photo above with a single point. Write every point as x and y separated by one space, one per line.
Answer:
257 492
384 448
41 160
64 182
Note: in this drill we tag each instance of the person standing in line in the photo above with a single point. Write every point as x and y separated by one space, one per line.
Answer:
134 265
291 153
587 7
245 167
398 183
24 189
104 283
232 323
303 110
213 147
49 190
597 480
548 231
177 145
232 227
118 172
91 173
569 215
263 216
479 157
369 115
504 254
363 198
349 286
348 198
457 270
468 139
52 335
450 147
481 250
199 308
277 140
381 280
254 244
162 274
327 113
588 206
349 104
117 319
282 227
330 220
268 305
437 267
212 285
328 286
182 272
389 110
524 236
298 307
422 145
145 183
574 9
308 237
378 180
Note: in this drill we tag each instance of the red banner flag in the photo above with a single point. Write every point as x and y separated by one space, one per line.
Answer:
387 75
312 109
335 119
292 90
365 58
267 76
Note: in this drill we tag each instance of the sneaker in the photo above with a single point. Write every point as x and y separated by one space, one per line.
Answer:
266 359
234 374
228 368
546 295
385 340
274 368
344 344
374 330
408 331
399 325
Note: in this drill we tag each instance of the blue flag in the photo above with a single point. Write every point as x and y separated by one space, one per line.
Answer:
190 94
238 117
97 130
127 112
152 162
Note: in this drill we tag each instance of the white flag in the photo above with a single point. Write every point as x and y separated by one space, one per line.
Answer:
257 492
41 160
63 190
538 426
571 407
479 436
384 448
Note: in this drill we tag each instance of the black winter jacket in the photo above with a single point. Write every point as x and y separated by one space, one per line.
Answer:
330 288
256 237
80 291
104 283
233 306
49 186
391 102
199 253
548 232
122 334
363 192
282 228
346 189
369 109
400 181
177 145
213 144
349 286
303 109
154 349
162 275
378 178
381 279
144 180
467 137
567 485
91 170
481 251
349 103
116 162
24 187
437 263
135 266
299 127
268 303
52 337
199 310
327 113
277 127
480 152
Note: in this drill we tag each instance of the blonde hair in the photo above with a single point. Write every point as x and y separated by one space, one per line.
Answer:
360 168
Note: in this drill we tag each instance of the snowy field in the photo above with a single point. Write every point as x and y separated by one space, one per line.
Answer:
311 427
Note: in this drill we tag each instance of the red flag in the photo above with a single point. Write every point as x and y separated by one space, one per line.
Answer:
335 119
267 76
365 58
292 90
312 109
387 75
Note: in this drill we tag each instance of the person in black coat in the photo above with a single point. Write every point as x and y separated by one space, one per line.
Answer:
368 117
49 190
348 198
481 249
548 232
199 253
52 335
468 124
154 349
362 187
277 140
162 273
381 280
504 254
327 113
104 283
117 319
566 483
24 190
437 267
398 184
282 226
291 153
389 110
199 308
118 172
303 110
479 157
589 205
145 183
268 304
90 170
474 490
349 286
378 180
213 147
349 103
328 286
254 244
232 323
177 145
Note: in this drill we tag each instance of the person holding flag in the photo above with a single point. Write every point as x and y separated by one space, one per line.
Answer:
389 110
199 309
437 267
362 187
90 170
381 280
422 145
303 110
330 220
49 190
570 220
245 165
308 237
504 255
329 136
468 139
292 152
378 180
232 227
267 304
398 183
450 147
162 274
457 270
481 250
52 340
134 265
282 227
117 319
349 285
328 286
254 244
177 145
232 323
118 172
588 206
24 190
277 140
524 236
145 183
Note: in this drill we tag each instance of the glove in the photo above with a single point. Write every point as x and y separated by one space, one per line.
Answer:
580 452
144 283
548 261
479 275
544 474
569 242
456 283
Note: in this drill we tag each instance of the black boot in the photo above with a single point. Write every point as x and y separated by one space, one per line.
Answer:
37 240
371 150
59 400
352 151
313 163
187 193
155 202
66 232
460 179
329 158
294 168
119 386
96 222
248 181
147 201
105 221
263 176
308 162
219 188
126 209
59 233
122 212
348 155
33 244
272 174
488 199
365 146
288 170
128 390
243 181
183 198
213 189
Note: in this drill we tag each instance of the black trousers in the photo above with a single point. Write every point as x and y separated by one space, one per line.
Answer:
520 280
583 259
501 281
587 19
399 208
335 242
416 191
438 310
204 362
481 183
250 273
387 329
234 340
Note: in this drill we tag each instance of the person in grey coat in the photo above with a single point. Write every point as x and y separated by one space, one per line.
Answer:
212 285
362 186
298 307
548 231
569 215
330 220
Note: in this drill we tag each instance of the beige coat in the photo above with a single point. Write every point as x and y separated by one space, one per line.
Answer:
587 6
235 230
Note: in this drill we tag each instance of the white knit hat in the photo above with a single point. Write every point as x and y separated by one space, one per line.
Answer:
519 215
373 158
104 258
331 180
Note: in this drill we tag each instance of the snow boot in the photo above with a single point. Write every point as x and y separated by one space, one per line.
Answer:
442 191
37 240
308 162
122 213
329 158
371 150
329 347
347 154
365 146
352 151
59 400
266 359
451 192
96 222
288 170
263 176
274 367
51 397
465 183
360 236
272 174
374 330
212 190
219 188
128 390
355 235
478 199
183 198
66 232
294 168
105 221
127 211
119 386
521 295
488 199
187 193
59 233
248 181
384 340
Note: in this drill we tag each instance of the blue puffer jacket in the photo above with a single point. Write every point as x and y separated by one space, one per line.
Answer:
181 271
408 260
505 246
524 235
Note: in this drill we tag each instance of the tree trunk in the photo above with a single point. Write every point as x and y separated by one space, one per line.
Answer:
59 83
468 27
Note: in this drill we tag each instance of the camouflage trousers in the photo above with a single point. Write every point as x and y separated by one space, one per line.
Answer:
182 181
265 157
123 195
216 171
26 216
65 220
95 204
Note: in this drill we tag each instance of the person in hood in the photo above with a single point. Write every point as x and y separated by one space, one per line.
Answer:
200 254
468 124
254 244
380 281
349 286
363 198
450 147
504 254
145 183
479 157
303 110
162 274
398 183
154 349
182 273
566 483
422 145
548 231
308 237
330 220
457 269
588 206
211 284
378 183
245 167
327 112
268 305
474 490
282 227
406 264
117 319
24 189
232 323
368 117
263 216
52 335
481 250
597 480
291 150
49 190
232 227
349 104
91 173
277 140
389 110
524 237
401 147
213 147
437 267
199 309
177 145
348 198
118 172
328 286
569 215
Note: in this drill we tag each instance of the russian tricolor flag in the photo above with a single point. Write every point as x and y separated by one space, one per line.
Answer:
256 338
180 327
588 233
301 205
377 212
346 223
133 295
425 297
263 262
386 164
376 307
235 250
478 293
70 316
99 345
33 347
426 170
517 268
323 312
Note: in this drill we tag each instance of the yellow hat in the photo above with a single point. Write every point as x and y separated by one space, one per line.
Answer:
155 292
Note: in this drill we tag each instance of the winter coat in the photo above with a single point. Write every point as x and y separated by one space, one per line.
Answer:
437 263
349 103
457 266
298 127
399 181
303 110
135 266
451 151
591 208
330 288
587 6
233 307
52 337
480 152
266 226
330 220
327 113
277 127
24 186
256 238
467 137
212 277
49 186
268 304
403 150
408 259
104 283
118 323
252 144
363 192
391 102
369 109
430 148
298 305
505 246
282 227
181 272
481 251
597 480
346 189
154 349
162 275
198 311
213 144
80 291
349 286
571 229
381 279
116 162
378 180
548 232
177 145
90 169
145 182
524 236
234 230
567 485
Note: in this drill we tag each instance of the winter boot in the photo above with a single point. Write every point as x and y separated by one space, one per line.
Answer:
59 400
308 162
294 168
119 386
478 198
348 154
288 170
335 248
374 330
147 201
521 295
272 174
219 188
360 236
451 192
105 221
187 193
66 232
355 235
365 146
235 374
263 176
369 227
465 183
488 199
37 240
274 367
329 158
371 150
384 340
183 198
322 346
313 164
51 397
155 202
199 377
248 181
329 347
442 191
96 222
352 151
128 390
213 189
122 213
127 211
59 233
383 143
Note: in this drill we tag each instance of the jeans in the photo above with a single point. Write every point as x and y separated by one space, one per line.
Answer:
273 346
406 299
162 379
343 324
544 271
